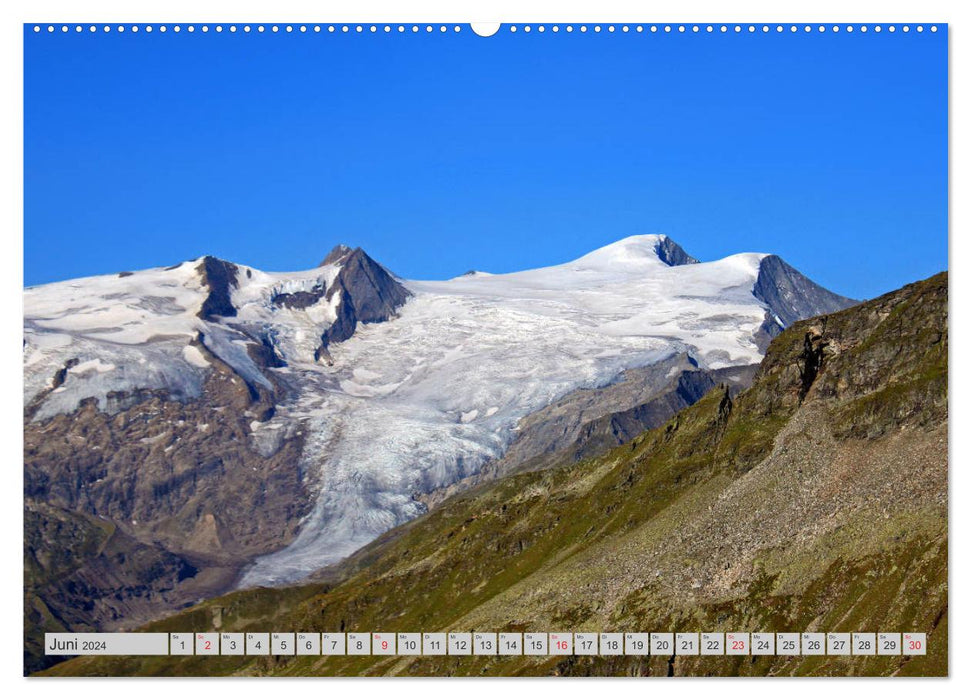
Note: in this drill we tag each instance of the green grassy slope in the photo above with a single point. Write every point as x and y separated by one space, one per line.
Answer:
816 500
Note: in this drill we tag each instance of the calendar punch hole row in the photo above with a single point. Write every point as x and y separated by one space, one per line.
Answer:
489 643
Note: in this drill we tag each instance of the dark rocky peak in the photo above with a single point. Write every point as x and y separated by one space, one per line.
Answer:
221 278
369 294
337 253
790 295
672 254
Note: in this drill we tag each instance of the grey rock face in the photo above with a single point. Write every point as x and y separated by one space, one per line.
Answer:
687 388
336 254
220 277
791 295
671 253
299 300
369 294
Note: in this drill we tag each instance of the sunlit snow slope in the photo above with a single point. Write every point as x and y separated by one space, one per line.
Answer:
411 404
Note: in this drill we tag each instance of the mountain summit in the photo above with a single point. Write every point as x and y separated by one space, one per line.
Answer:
366 293
638 250
336 254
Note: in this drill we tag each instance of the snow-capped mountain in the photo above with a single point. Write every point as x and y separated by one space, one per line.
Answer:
395 387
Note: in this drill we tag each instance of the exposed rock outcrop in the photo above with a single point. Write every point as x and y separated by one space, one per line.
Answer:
671 253
219 277
299 300
368 294
791 295
336 254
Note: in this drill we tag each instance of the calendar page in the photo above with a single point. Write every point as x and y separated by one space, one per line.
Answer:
426 348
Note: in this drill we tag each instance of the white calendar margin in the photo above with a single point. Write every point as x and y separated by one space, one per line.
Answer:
454 12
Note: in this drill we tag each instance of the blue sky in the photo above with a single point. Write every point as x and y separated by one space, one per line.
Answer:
439 153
